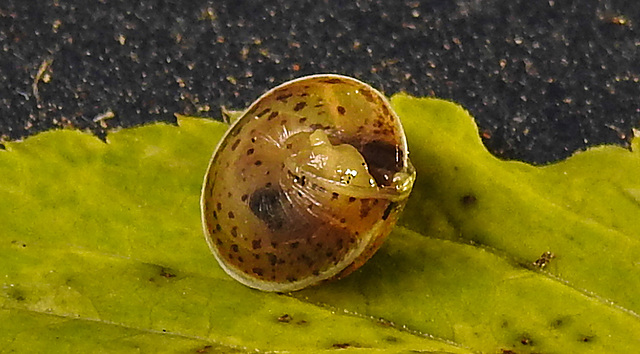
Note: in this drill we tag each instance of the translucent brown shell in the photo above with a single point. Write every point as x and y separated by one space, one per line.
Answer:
306 184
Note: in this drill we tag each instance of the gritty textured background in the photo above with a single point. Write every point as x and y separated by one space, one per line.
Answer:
542 78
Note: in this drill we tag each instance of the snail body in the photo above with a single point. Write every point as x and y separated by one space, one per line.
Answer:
306 184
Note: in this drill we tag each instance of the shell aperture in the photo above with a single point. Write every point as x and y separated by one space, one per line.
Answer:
306 184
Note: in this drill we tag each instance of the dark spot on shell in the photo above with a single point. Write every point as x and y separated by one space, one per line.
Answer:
256 244
234 247
315 272
334 196
250 151
253 140
274 244
218 227
264 111
307 260
289 146
319 105
385 110
235 145
268 184
267 205
234 231
219 206
244 197
343 220
240 259
294 245
215 215
299 106
302 120
219 242
368 95
341 110
352 199
364 208
231 215
283 122
235 131
258 163
273 115
273 259
284 97
258 271
384 160
332 81
291 278
256 256
388 210
248 113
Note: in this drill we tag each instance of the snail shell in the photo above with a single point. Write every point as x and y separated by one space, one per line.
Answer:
306 184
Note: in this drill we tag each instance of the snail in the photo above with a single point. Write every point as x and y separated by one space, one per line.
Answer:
306 185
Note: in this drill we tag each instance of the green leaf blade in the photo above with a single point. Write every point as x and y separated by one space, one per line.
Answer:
103 241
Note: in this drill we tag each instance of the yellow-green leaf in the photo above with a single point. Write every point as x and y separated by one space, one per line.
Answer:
101 250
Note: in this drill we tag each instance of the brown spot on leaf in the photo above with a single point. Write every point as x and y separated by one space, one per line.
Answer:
341 345
468 200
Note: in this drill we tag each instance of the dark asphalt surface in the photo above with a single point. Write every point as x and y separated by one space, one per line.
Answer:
542 78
